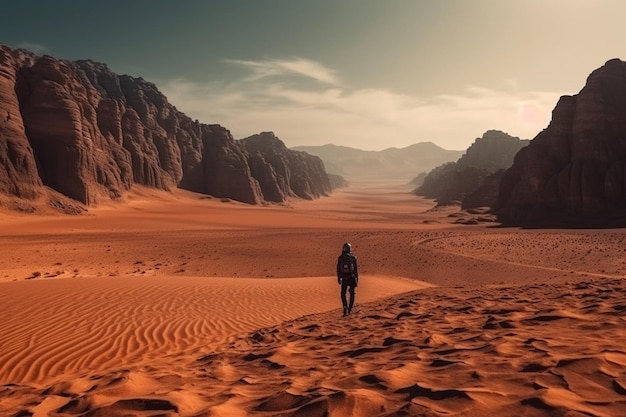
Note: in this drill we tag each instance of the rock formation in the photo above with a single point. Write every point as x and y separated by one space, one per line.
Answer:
337 181
574 171
19 175
451 183
486 194
283 173
81 130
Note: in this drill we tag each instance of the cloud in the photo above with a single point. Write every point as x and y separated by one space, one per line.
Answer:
284 67
365 118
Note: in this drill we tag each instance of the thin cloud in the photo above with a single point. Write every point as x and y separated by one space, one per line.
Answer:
362 118
284 67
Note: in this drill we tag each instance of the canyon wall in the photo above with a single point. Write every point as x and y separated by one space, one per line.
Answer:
574 171
83 131
454 182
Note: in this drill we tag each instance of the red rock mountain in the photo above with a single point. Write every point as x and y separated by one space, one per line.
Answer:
574 171
272 163
90 134
458 181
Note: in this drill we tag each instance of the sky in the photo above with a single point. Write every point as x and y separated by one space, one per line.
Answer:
368 74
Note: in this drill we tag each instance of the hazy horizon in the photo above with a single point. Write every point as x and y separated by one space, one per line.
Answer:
363 74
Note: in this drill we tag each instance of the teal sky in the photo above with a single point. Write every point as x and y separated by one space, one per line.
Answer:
362 73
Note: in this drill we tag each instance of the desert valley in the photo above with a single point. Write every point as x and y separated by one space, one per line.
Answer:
174 304
153 265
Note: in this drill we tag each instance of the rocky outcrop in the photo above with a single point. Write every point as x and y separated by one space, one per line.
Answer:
574 171
283 173
90 134
225 168
337 181
485 194
453 182
493 151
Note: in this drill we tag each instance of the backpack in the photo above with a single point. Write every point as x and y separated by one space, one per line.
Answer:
346 265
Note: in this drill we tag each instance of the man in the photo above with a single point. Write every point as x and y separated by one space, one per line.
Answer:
347 276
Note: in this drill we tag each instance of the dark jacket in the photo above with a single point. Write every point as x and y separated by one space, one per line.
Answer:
355 270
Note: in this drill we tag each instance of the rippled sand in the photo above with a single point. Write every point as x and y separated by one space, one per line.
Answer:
173 304
64 327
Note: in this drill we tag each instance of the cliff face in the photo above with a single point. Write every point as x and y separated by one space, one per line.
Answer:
90 134
283 173
493 151
485 194
19 175
575 169
453 182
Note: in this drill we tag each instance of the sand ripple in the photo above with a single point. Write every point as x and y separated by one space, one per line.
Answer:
73 326
454 352
438 352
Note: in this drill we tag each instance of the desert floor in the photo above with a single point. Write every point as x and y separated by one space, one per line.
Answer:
174 304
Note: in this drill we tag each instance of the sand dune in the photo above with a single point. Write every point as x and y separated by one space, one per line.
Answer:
172 304
435 352
117 322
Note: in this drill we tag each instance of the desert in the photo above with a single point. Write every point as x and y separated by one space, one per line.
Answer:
184 188
173 303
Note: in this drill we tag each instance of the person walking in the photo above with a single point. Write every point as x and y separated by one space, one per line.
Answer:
347 276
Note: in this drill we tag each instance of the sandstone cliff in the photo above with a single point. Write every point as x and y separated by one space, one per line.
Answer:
453 182
283 173
19 175
486 194
574 171
81 130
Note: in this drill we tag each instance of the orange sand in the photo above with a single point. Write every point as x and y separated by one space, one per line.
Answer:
174 304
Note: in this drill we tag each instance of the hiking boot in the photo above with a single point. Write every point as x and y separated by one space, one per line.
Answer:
345 311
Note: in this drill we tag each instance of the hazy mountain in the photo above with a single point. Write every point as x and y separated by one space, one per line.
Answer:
391 163
452 182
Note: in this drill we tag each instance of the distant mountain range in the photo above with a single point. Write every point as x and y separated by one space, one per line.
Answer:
391 163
